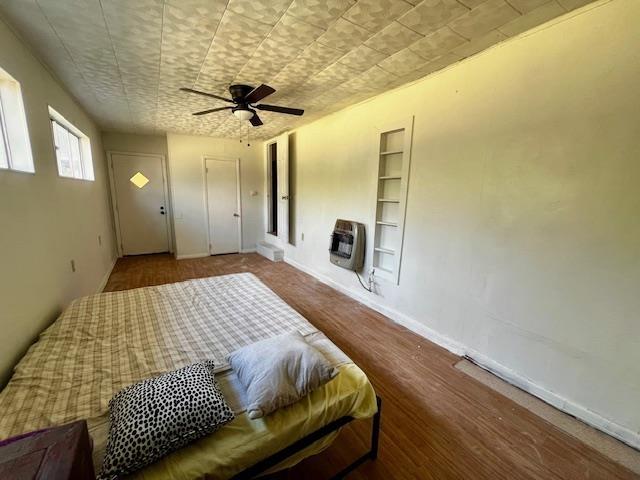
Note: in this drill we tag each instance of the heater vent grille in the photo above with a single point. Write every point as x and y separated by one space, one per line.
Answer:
347 245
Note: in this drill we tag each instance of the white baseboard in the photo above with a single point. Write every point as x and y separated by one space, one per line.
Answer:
105 278
574 409
597 421
400 318
192 255
202 255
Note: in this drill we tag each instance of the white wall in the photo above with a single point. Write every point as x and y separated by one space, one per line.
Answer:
522 229
186 170
134 143
46 221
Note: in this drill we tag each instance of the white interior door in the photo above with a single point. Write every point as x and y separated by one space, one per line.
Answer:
141 207
223 205
283 187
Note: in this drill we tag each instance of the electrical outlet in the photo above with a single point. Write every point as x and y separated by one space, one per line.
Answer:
73 265
100 240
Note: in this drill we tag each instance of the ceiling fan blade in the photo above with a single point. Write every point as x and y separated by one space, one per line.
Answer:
259 93
275 108
191 90
255 120
211 110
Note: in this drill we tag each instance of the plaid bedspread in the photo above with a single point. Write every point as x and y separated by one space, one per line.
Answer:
107 341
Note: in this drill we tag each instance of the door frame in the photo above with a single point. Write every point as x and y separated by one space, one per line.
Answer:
282 156
267 189
284 183
114 200
206 197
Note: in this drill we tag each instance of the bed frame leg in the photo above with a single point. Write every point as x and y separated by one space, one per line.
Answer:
375 430
372 454
273 460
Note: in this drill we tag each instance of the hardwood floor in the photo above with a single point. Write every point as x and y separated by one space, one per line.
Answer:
437 422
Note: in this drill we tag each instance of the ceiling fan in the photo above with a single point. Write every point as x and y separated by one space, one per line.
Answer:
245 97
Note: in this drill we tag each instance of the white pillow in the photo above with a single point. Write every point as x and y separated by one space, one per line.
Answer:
279 371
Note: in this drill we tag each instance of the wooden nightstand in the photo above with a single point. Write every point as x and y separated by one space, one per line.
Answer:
58 453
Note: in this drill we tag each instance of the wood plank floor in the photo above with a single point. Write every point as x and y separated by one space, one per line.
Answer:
437 422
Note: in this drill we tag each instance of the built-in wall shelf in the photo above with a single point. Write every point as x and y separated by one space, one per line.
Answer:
394 155
386 271
387 224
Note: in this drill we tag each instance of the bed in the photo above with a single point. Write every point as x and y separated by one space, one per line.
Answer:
107 341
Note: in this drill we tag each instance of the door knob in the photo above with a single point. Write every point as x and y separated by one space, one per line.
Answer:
162 210
236 215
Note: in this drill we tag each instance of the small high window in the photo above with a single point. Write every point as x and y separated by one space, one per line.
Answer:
73 149
15 148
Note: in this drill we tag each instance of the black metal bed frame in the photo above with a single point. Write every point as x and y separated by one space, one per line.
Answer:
313 437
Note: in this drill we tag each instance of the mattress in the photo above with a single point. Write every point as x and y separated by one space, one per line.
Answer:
105 342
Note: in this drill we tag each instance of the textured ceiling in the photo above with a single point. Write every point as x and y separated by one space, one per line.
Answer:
125 60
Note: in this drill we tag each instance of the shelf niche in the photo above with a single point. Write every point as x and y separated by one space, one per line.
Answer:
394 157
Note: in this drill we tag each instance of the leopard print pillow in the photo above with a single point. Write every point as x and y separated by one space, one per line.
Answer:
154 417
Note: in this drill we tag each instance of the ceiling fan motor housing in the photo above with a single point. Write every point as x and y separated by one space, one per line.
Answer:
239 92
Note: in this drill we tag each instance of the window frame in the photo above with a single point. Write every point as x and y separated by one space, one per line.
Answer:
15 140
76 138
4 137
85 157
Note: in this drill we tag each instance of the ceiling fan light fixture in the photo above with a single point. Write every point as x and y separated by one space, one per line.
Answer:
244 97
243 114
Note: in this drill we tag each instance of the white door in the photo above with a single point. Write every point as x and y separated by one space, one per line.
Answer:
141 207
223 205
283 187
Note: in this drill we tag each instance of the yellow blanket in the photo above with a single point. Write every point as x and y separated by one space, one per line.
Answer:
104 342
244 442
